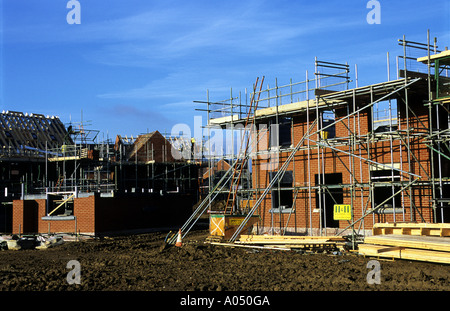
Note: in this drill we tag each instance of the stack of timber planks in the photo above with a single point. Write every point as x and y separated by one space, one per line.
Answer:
294 242
411 241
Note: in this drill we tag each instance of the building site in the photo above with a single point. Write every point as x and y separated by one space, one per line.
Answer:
320 165
58 179
318 162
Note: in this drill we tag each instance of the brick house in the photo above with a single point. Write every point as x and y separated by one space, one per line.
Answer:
134 185
352 164
146 147
317 156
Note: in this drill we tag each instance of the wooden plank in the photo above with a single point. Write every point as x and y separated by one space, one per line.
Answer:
326 245
283 238
293 241
420 242
426 229
389 249
59 159
405 253
444 232
433 57
250 246
69 198
411 225
288 242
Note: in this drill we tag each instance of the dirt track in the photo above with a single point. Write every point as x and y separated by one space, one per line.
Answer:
136 263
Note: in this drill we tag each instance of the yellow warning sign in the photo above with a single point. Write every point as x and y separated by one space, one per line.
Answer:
342 212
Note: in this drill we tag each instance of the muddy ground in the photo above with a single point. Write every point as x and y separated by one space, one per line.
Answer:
137 263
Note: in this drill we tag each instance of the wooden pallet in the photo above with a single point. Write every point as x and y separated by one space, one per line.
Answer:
422 229
417 242
308 242
404 253
412 241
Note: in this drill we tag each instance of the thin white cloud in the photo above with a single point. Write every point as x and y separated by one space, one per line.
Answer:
168 86
145 41
173 86
133 112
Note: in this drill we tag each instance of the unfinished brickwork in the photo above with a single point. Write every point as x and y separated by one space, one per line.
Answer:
334 162
95 215
351 168
29 217
349 177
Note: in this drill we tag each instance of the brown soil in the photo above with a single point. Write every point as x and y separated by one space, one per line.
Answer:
138 263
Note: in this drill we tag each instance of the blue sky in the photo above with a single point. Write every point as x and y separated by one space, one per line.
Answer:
137 65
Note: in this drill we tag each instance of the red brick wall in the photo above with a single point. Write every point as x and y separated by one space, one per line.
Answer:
28 214
84 210
24 214
156 144
339 162
95 214
17 216
161 148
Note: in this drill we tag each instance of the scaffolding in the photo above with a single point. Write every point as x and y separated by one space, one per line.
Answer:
41 155
397 169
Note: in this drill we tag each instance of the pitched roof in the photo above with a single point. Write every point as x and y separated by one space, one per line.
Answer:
32 132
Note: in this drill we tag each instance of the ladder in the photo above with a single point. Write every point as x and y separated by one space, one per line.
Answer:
59 183
237 173
201 209
283 168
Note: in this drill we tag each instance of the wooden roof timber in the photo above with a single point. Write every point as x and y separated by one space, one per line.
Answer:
444 58
326 101
20 130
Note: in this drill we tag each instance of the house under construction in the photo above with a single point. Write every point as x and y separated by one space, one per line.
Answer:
57 179
330 159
